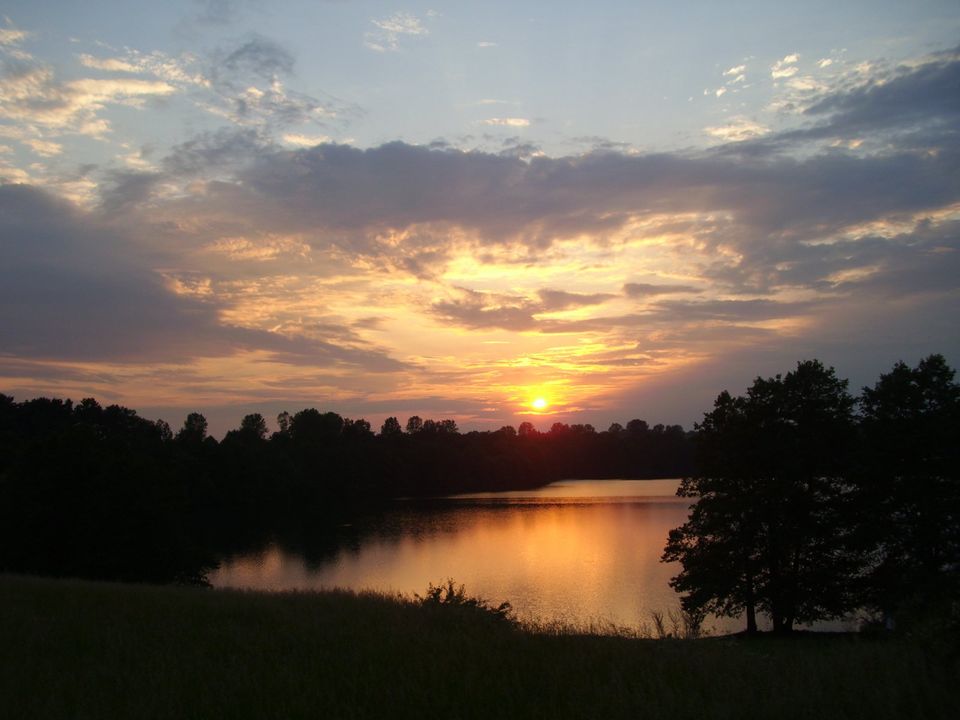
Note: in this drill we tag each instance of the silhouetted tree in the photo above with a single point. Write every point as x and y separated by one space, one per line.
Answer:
254 426
194 430
390 428
447 427
527 429
771 527
414 425
909 497
637 427
357 429
163 428
310 426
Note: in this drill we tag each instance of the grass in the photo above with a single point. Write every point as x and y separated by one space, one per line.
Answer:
71 649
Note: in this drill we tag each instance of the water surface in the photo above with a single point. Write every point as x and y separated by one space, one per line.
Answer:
577 551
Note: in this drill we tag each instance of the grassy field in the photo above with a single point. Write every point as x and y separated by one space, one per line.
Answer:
72 649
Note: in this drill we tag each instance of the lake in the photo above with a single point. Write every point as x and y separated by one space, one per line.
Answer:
577 551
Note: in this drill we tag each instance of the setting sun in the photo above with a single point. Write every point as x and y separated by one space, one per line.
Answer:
539 404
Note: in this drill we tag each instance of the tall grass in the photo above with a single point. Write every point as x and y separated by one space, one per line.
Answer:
71 649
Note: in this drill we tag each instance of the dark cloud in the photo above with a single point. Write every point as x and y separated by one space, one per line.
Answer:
759 204
913 95
217 12
225 148
728 310
735 315
126 189
911 106
480 310
259 57
483 311
634 289
248 77
72 288
358 193
562 300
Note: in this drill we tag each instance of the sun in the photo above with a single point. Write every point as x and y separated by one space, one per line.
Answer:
539 404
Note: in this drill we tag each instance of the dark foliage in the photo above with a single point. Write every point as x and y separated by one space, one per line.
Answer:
806 512
99 492
909 484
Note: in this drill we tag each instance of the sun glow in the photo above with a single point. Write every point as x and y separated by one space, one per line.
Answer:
539 404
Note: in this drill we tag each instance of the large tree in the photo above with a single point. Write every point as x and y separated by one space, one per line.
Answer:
770 530
910 484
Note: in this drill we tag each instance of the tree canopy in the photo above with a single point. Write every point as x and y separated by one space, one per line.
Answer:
909 478
806 510
768 531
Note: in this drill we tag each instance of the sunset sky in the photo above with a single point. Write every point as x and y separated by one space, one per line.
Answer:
455 209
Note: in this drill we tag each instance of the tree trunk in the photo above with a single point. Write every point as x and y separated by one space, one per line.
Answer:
782 624
751 619
751 607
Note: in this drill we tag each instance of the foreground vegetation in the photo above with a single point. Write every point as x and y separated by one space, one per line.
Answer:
92 650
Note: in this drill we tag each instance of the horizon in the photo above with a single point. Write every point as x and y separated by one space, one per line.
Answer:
546 213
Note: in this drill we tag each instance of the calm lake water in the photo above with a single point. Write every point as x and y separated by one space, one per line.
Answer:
580 551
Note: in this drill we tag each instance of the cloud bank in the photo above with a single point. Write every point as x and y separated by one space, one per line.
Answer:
402 272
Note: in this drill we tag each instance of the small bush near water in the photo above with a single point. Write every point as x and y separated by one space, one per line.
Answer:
75 649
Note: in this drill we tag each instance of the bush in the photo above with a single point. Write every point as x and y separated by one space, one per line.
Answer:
452 597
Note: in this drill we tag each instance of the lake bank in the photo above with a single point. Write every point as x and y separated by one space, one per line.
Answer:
82 649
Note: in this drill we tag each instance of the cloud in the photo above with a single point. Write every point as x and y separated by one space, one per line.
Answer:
643 290
485 311
44 147
247 81
258 57
411 207
913 106
909 96
551 300
390 30
508 122
243 82
217 12
11 35
213 152
31 94
73 288
109 64
737 130
301 140
735 71
785 67
283 248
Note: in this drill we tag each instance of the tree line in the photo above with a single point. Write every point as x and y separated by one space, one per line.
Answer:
94 491
811 503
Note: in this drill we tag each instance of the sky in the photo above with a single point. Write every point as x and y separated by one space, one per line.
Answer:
457 209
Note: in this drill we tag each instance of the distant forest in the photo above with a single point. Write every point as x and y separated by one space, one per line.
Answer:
100 492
